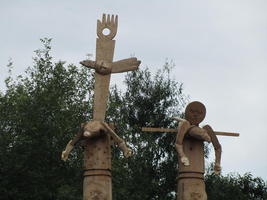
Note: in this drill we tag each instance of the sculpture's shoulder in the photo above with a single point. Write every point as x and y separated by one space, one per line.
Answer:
184 124
199 133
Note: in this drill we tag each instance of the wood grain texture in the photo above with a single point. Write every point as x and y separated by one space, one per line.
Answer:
104 53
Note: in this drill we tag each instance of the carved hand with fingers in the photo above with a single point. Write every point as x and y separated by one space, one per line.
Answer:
105 68
110 23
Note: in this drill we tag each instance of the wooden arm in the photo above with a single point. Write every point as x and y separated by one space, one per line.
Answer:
182 130
217 148
125 65
121 143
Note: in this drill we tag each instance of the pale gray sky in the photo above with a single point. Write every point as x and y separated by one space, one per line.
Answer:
219 48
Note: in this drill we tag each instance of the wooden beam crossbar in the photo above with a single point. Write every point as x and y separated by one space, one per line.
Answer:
172 130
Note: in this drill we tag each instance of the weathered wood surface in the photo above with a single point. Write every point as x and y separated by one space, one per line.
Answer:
104 53
97 169
97 155
191 178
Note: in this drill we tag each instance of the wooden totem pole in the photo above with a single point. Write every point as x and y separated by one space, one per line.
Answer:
96 134
190 147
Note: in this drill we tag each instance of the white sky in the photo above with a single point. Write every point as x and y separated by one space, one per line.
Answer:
219 48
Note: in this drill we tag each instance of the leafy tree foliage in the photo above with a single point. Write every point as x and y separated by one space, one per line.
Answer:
235 187
39 114
148 101
42 110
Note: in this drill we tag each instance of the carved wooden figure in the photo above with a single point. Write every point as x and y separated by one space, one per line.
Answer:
191 152
96 133
190 147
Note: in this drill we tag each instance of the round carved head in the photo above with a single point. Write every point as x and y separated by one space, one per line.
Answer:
195 112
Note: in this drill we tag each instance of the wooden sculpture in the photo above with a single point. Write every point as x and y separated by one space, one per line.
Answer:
190 147
96 133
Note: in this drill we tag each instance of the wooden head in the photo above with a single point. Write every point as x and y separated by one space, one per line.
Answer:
195 112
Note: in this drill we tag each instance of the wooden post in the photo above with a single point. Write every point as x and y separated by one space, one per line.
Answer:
97 152
97 184
97 134
97 169
190 183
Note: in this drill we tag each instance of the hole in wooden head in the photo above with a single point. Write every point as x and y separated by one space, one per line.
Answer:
106 31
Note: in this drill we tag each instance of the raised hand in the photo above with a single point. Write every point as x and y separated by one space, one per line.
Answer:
109 22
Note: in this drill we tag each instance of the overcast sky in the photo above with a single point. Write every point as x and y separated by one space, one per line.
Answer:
219 48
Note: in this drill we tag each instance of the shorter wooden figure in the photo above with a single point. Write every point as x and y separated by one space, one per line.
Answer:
190 148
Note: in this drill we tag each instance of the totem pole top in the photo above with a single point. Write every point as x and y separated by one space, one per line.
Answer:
104 64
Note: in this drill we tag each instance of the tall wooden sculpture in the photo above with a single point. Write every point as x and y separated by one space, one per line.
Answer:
96 133
190 148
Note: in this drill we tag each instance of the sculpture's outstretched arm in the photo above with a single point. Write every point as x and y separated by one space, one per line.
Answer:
125 65
103 68
70 145
183 127
217 148
121 143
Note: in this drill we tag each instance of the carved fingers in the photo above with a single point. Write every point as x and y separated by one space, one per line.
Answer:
110 23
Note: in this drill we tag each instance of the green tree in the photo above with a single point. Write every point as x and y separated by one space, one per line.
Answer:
39 113
147 101
235 187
